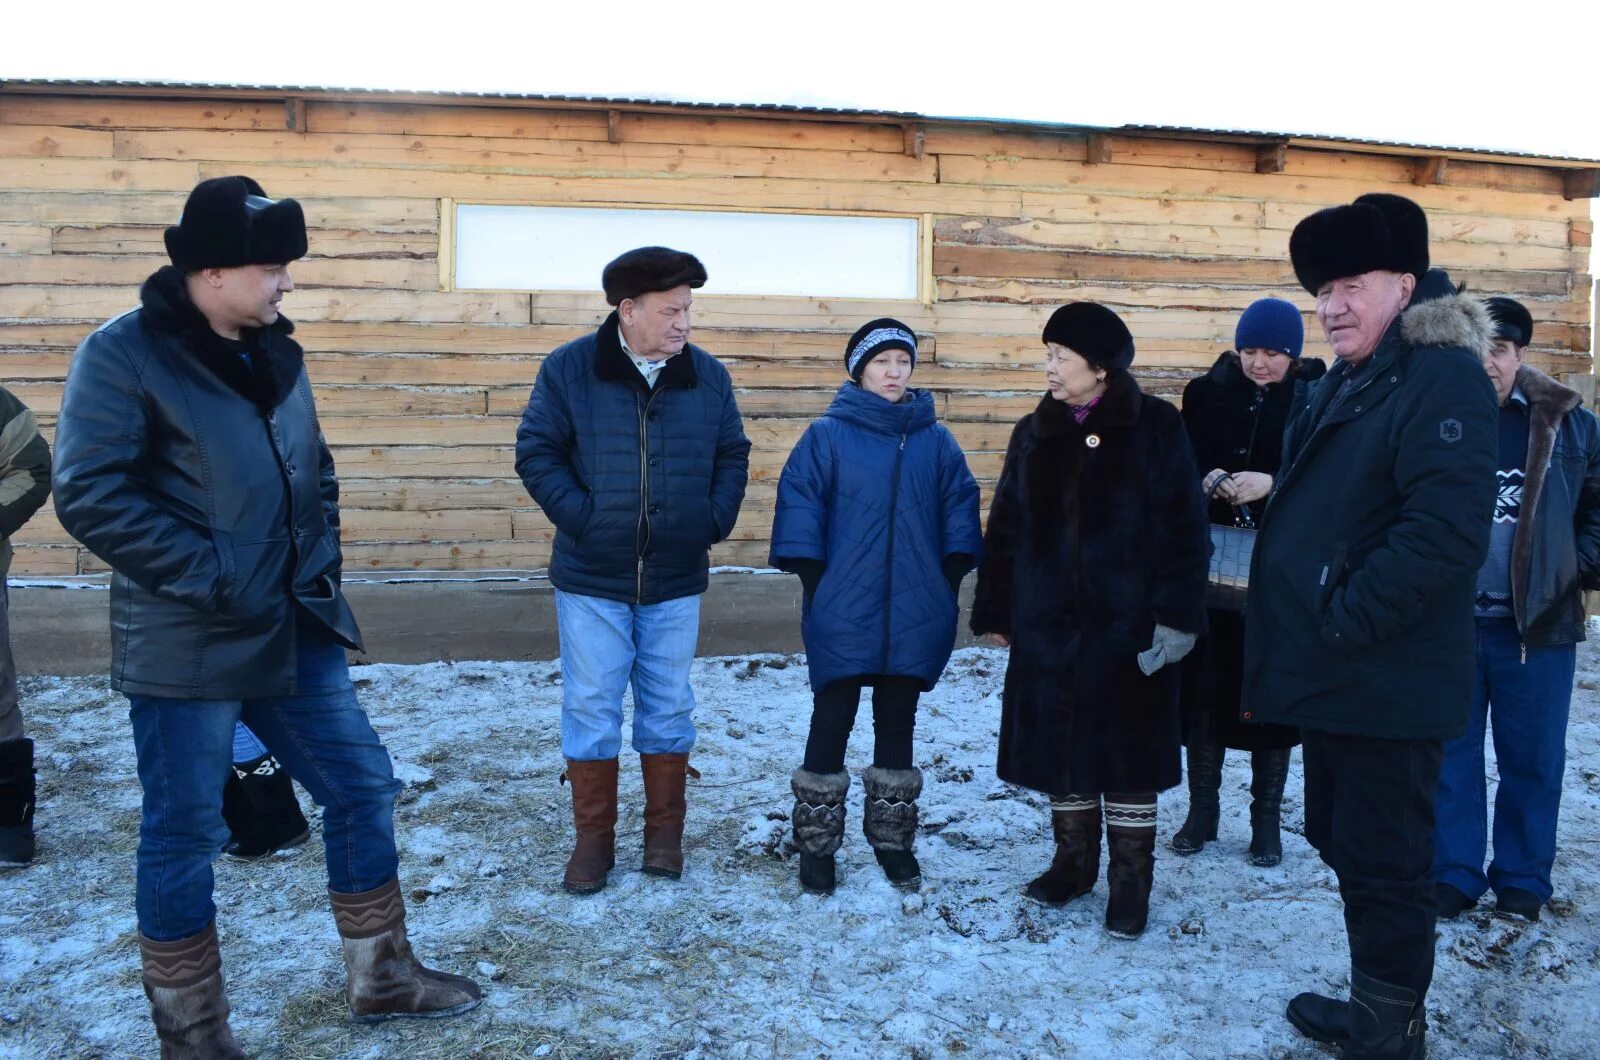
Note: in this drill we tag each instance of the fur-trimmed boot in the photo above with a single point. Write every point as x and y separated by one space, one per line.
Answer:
665 805
17 793
1269 770
889 821
384 978
1076 865
183 980
260 809
1131 869
1205 783
818 825
594 818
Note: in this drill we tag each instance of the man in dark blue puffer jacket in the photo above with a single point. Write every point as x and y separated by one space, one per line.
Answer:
633 446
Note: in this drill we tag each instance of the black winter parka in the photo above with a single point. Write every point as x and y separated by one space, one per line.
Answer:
1362 583
205 484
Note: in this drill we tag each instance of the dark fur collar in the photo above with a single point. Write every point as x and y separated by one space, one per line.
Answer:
276 358
613 365
1118 407
1548 405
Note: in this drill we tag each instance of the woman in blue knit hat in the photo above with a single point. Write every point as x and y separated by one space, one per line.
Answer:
1235 415
878 515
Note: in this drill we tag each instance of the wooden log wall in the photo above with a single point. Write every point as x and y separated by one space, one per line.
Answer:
419 388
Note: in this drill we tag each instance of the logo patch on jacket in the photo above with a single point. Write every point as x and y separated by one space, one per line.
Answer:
1450 430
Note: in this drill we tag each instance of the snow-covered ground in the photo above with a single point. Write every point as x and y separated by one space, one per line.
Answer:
734 961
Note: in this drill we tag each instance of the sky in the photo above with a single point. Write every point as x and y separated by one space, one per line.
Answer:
1417 73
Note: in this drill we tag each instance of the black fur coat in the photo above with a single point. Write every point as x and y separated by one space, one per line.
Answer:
1096 534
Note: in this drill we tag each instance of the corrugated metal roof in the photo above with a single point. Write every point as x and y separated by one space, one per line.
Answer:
788 108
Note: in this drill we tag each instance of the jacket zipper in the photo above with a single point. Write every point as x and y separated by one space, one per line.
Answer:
888 571
642 531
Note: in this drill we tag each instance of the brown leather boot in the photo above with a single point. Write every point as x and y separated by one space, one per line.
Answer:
384 979
594 816
665 777
1076 864
183 980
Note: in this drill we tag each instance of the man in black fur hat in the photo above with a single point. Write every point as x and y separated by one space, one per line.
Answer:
633 446
189 458
1359 619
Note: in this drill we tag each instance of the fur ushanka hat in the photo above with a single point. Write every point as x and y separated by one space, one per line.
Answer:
229 221
1377 231
1511 320
1094 333
650 269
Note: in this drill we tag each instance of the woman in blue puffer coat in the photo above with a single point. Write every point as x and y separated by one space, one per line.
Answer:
878 515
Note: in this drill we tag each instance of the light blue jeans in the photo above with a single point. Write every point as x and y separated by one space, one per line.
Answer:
605 646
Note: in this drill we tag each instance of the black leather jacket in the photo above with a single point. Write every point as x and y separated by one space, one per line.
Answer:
205 484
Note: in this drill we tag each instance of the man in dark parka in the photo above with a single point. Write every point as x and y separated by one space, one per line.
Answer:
1359 626
189 458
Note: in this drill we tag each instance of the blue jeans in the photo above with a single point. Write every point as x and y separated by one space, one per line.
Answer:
320 734
1529 702
605 645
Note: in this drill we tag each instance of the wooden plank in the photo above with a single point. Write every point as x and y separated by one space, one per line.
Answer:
1097 149
1272 157
916 139
405 119
419 430
294 114
1433 170
555 157
410 495
993 141
391 401
1135 210
324 243
25 301
51 142
106 112
958 261
1578 184
44 561
358 524
613 126
423 462
96 175
91 208
424 370
23 239
309 274
1453 227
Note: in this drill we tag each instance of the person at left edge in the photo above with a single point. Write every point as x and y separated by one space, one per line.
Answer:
189 458
633 446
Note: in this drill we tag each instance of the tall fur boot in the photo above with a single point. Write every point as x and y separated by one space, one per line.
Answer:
17 794
183 980
1131 834
1205 783
384 978
1076 865
665 806
1269 770
889 822
818 825
594 818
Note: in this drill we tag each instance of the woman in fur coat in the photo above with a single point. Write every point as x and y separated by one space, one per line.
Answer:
878 515
1235 415
1094 575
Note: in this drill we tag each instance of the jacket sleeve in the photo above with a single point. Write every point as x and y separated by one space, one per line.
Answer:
1183 541
102 498
800 517
546 438
1586 520
24 464
963 528
992 598
1446 454
732 469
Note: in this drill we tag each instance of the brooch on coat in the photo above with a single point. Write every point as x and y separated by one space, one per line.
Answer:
1092 441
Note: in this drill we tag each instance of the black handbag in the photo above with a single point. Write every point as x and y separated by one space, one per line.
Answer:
1231 549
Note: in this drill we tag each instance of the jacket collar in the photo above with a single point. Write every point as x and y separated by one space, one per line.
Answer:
1118 407
276 360
1548 401
612 364
1227 371
865 409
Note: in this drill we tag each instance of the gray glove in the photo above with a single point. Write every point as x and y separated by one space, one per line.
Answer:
1166 647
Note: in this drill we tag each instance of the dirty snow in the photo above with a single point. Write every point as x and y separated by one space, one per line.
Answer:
734 961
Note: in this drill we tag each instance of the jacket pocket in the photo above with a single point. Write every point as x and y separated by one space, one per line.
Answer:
227 570
1332 575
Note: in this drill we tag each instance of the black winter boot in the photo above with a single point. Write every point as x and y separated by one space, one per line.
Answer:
1386 1021
1076 866
889 822
818 825
1130 874
261 811
16 803
1268 771
1205 781
1321 1018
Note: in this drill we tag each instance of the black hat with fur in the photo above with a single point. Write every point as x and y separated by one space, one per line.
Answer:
1094 333
229 221
1377 231
1511 320
650 269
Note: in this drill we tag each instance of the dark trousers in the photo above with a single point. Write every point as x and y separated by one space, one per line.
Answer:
833 715
1369 813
